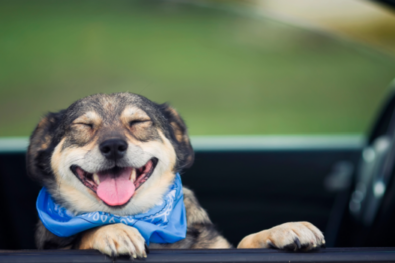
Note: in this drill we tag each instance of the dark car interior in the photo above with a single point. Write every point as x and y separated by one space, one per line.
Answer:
367 219
346 189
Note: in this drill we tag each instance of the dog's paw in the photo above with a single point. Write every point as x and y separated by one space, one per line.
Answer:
115 240
295 236
289 236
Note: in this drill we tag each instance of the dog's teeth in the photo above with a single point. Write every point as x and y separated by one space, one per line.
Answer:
96 178
133 175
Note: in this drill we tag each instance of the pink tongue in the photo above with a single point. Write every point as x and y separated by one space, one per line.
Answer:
115 191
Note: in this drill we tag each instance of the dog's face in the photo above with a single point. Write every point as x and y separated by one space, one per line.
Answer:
116 153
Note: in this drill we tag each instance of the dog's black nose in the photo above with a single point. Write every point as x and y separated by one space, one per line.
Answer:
114 148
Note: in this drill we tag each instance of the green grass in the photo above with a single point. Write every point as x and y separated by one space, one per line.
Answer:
225 73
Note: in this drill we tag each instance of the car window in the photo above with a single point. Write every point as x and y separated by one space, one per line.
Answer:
226 71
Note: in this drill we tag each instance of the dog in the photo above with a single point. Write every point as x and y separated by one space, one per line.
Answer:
126 142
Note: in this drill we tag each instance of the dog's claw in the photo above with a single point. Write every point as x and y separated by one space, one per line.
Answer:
146 248
271 245
297 242
113 257
323 245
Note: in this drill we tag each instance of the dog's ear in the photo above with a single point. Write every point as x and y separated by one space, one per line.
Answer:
42 143
179 136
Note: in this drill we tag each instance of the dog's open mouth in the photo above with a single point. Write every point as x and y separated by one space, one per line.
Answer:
116 186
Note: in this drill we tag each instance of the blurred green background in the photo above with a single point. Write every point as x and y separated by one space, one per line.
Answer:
226 72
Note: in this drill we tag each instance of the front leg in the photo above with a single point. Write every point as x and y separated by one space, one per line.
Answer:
46 240
115 240
290 236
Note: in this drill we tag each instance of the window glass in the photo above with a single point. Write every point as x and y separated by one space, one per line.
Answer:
226 72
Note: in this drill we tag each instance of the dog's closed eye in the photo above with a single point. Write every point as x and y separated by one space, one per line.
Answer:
90 125
136 122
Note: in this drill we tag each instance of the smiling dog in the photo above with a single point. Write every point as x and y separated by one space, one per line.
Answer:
119 154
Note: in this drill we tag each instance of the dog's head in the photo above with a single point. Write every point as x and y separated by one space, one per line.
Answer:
116 153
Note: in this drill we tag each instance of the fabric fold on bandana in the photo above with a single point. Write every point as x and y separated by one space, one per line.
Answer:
164 223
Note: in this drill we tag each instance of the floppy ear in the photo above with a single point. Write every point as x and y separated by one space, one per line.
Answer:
42 144
179 136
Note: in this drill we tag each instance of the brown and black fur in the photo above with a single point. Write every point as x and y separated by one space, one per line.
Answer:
164 124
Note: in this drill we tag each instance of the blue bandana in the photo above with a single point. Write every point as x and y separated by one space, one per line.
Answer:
164 223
